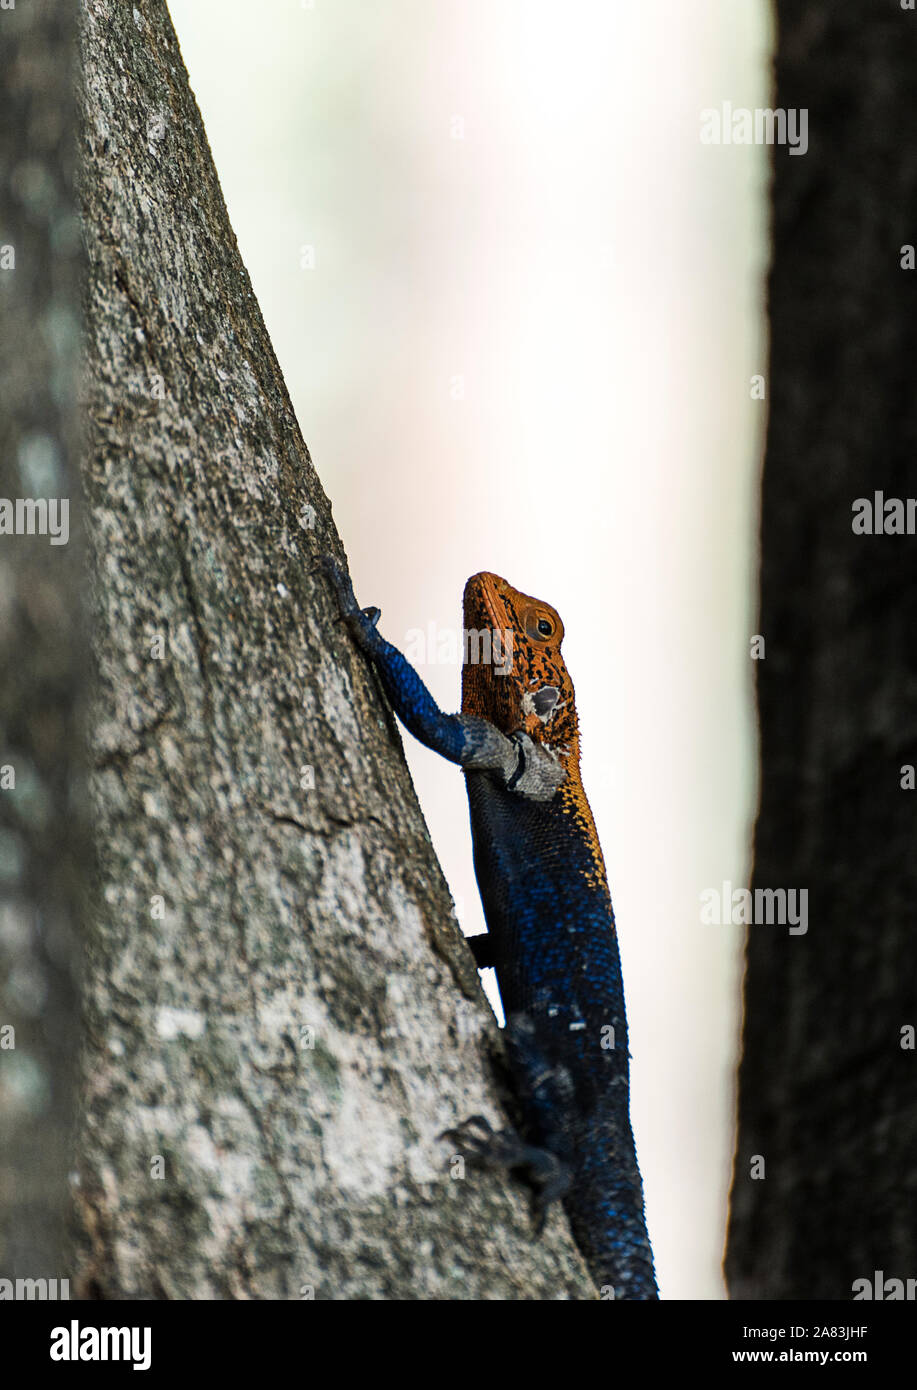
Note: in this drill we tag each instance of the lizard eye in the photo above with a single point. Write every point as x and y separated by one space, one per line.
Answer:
540 628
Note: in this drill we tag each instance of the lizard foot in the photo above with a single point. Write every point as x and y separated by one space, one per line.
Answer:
361 621
477 1141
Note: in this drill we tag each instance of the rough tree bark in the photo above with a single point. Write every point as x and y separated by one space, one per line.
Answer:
280 1014
828 1095
44 849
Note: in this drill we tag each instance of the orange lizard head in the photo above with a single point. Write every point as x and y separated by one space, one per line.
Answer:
513 673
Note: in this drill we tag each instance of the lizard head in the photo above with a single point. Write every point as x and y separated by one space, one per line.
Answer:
513 673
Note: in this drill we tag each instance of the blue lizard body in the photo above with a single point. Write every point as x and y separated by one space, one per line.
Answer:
550 926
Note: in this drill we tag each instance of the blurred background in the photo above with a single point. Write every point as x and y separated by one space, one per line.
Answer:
518 305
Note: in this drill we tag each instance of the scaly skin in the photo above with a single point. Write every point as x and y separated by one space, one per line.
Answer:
551 933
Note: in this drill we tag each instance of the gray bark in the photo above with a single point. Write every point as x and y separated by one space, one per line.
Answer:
43 836
280 1013
827 1093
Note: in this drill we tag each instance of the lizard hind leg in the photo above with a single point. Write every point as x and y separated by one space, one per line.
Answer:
481 1145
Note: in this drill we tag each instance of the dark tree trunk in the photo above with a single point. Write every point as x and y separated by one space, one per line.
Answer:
828 1095
280 1014
43 841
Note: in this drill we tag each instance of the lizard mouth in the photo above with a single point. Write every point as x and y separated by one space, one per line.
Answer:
483 599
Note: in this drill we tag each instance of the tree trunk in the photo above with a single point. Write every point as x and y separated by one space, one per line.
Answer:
280 1013
43 838
827 1089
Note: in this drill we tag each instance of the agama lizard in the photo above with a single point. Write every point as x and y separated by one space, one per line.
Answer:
551 932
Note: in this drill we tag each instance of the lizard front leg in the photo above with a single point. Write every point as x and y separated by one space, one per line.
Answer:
474 743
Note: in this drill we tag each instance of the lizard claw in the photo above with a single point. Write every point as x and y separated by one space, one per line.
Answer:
549 1177
361 621
465 1137
341 584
